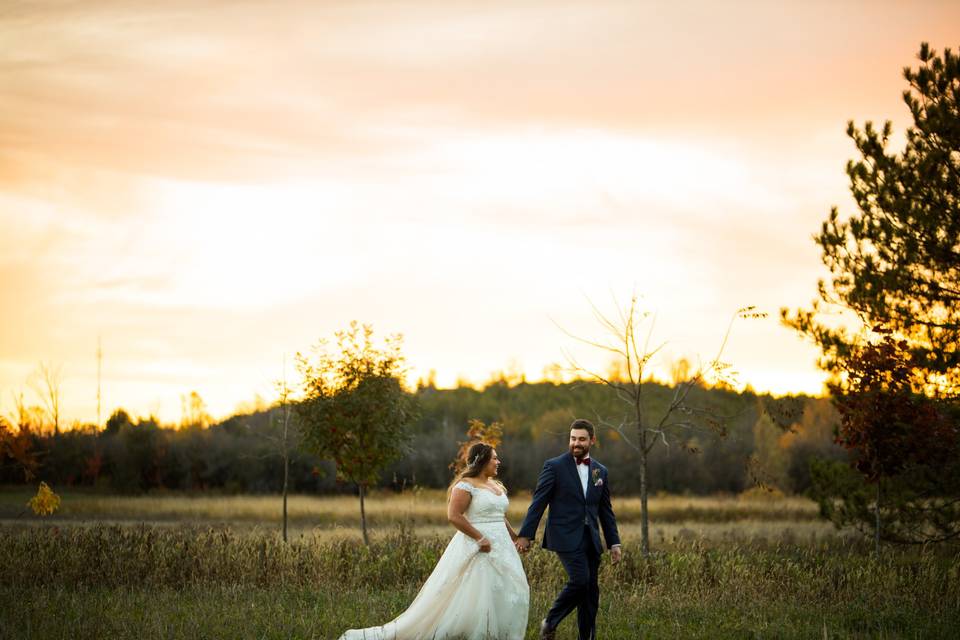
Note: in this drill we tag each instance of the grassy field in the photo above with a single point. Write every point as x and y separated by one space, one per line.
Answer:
423 507
214 567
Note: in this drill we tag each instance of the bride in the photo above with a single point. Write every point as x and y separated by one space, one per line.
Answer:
478 590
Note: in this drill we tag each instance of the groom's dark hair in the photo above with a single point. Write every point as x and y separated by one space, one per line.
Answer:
580 423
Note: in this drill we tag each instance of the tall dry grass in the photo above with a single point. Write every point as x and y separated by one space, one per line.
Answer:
181 582
422 507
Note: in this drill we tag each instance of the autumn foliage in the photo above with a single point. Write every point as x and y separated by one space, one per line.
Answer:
903 482
886 421
477 431
16 446
356 411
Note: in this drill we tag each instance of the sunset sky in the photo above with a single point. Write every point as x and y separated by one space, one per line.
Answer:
212 186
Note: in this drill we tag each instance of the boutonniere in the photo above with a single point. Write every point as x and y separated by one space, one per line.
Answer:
597 480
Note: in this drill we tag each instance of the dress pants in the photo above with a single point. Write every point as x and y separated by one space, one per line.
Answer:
581 591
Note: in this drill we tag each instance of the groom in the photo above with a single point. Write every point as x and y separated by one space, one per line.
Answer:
578 494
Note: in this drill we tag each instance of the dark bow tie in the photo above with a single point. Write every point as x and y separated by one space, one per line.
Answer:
585 461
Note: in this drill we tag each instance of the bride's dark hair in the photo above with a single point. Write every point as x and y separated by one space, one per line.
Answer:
473 462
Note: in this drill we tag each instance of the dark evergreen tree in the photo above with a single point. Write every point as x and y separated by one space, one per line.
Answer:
896 262
902 442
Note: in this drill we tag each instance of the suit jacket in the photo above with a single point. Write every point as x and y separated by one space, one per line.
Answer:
559 488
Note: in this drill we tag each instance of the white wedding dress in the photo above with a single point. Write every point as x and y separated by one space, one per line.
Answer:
470 595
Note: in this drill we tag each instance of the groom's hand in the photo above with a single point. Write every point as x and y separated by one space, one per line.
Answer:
523 544
615 554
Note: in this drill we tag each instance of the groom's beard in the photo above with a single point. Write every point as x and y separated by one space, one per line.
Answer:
578 451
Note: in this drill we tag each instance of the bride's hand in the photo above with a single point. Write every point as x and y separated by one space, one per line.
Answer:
484 545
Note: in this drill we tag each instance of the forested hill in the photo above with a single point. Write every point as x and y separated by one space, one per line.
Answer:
755 437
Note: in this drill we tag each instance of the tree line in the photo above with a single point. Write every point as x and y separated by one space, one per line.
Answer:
768 440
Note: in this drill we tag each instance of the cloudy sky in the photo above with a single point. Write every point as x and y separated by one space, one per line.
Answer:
211 186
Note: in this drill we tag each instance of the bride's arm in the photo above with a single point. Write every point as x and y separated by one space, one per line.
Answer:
456 507
513 534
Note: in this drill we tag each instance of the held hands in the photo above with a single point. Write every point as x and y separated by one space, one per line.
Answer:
522 544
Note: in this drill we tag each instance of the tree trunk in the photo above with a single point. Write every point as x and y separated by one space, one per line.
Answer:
644 529
644 519
363 518
286 484
876 509
286 457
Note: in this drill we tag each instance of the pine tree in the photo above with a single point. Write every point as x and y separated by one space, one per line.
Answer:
896 262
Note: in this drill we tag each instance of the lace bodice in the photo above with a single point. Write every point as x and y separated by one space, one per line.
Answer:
485 505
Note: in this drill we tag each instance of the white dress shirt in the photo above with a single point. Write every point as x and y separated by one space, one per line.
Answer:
584 471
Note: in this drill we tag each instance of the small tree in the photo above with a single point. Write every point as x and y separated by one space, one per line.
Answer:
17 446
286 438
900 442
48 387
629 380
356 410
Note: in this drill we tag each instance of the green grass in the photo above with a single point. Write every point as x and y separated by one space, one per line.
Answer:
222 611
194 582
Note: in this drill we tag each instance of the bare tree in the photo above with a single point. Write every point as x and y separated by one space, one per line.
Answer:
286 440
27 418
48 387
21 412
629 378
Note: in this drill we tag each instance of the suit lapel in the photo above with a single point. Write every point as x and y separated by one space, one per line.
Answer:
572 465
590 485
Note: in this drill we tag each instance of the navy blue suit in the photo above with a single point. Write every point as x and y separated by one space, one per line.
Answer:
572 532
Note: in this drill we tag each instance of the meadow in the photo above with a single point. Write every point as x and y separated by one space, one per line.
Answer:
179 566
385 508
